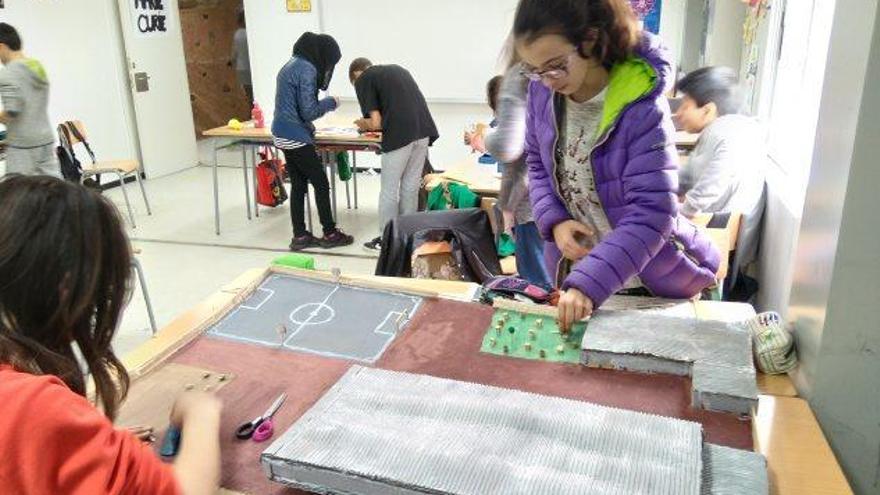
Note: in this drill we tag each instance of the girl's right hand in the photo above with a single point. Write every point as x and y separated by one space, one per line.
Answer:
565 235
193 404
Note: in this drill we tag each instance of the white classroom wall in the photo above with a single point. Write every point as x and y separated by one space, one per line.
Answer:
672 27
725 40
271 34
79 43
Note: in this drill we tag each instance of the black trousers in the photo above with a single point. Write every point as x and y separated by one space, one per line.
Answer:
304 166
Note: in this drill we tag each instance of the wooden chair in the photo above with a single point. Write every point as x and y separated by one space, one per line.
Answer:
120 168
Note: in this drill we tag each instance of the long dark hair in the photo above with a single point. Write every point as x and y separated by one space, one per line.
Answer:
65 267
610 23
493 87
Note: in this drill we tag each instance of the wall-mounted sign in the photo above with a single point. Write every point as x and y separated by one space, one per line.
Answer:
151 17
299 5
648 11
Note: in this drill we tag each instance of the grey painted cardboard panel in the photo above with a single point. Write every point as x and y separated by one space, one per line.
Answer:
717 355
419 434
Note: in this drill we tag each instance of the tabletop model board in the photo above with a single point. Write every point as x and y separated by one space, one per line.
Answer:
437 338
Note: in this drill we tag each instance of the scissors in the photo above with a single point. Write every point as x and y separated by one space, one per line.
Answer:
261 428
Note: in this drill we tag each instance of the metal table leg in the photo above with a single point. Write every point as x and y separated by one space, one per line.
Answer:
256 184
354 171
332 166
216 193
247 187
143 281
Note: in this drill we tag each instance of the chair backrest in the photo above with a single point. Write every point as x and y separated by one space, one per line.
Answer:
75 133
724 238
80 128
730 228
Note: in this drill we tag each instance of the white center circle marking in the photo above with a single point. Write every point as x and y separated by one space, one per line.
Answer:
312 314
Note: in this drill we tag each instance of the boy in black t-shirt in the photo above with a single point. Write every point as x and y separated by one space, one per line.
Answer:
392 102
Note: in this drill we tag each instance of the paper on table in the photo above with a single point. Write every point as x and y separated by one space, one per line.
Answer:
338 131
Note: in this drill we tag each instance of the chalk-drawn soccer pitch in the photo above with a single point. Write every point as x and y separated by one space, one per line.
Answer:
319 318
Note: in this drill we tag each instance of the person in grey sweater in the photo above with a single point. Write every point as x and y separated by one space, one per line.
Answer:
241 58
24 92
507 98
725 172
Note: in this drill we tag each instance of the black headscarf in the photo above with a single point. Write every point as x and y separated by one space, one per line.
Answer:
322 51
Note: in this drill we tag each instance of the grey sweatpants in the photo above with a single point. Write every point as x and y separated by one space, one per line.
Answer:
32 161
401 180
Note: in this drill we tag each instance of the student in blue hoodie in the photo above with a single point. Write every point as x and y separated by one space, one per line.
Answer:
296 107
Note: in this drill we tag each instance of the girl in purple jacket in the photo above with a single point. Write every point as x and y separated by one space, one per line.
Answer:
601 157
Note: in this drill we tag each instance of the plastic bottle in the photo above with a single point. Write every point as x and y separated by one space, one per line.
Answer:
257 116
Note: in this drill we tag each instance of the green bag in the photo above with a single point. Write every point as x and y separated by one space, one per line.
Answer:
506 246
342 166
437 200
451 195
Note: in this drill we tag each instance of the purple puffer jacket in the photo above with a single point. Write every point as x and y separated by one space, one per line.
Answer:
634 165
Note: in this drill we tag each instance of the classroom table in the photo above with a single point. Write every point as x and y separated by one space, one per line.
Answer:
685 140
479 178
328 142
783 429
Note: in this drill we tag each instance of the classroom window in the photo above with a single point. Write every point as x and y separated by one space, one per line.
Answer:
803 37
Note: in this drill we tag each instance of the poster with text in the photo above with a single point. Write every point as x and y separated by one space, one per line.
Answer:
151 17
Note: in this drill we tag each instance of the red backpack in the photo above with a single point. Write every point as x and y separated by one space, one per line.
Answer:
270 179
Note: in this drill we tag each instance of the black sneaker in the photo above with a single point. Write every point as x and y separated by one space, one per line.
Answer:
374 246
304 241
336 238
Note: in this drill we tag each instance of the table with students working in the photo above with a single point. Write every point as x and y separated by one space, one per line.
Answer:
783 429
333 136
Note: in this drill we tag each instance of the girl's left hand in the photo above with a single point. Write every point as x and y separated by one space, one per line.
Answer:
573 306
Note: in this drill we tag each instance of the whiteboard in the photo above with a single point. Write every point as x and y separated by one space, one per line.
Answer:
452 48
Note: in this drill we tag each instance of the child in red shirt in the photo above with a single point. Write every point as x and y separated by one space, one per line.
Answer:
64 280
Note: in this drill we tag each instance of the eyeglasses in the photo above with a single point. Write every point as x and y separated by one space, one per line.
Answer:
554 72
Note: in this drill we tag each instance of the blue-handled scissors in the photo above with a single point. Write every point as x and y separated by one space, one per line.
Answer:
261 428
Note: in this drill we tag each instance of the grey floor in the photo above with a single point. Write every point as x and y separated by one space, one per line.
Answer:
184 261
